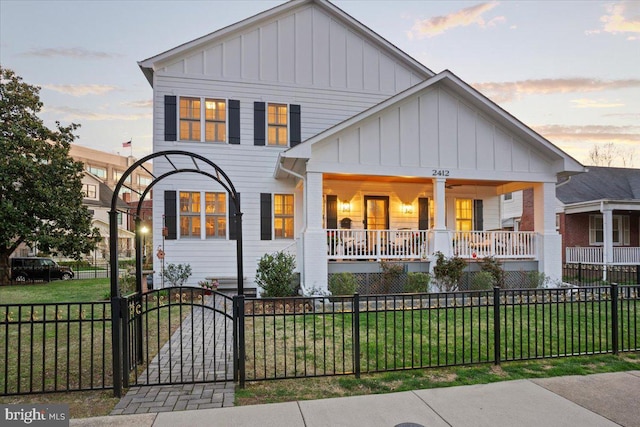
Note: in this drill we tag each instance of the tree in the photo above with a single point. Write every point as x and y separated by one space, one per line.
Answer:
40 185
608 154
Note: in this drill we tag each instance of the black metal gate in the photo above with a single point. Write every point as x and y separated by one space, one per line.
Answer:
178 335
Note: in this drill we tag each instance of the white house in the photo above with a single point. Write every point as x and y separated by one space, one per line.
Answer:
343 148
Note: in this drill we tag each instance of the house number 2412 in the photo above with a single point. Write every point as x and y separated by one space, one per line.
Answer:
440 172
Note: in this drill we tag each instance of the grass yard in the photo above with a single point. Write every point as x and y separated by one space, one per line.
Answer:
58 340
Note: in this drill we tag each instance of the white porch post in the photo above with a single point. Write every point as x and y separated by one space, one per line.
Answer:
440 235
314 256
607 234
550 242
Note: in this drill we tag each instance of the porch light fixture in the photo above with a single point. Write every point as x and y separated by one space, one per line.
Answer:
407 209
346 207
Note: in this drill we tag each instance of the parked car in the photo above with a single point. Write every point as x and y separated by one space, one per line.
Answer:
33 268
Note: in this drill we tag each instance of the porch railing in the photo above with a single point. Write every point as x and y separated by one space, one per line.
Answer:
414 244
498 244
595 255
377 244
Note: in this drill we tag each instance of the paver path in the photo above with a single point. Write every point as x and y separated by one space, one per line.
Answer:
200 350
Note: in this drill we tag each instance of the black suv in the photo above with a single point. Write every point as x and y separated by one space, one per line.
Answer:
32 268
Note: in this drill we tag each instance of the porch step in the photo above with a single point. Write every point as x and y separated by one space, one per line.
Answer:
229 286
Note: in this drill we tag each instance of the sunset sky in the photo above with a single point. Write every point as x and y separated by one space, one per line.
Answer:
568 69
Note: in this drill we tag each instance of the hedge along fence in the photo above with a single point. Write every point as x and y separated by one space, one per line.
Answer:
319 336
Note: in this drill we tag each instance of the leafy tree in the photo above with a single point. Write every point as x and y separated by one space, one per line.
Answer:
40 185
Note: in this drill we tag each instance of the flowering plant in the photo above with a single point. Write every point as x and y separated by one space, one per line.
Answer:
209 285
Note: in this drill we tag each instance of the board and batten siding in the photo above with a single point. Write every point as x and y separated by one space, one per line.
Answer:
306 47
433 129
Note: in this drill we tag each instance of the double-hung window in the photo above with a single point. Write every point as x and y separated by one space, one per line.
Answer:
89 191
203 117
283 216
464 214
277 125
190 119
620 230
197 208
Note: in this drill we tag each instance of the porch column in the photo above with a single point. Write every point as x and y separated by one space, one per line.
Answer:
607 234
314 243
440 236
549 241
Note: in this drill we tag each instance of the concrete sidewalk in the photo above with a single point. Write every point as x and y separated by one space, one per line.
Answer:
594 400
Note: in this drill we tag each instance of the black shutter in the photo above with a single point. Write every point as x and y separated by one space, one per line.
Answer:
234 121
232 218
332 212
478 222
258 123
294 125
170 118
423 213
170 214
265 216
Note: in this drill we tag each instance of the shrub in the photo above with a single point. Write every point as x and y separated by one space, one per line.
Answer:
343 284
448 272
417 282
536 279
176 274
482 280
275 275
390 275
492 266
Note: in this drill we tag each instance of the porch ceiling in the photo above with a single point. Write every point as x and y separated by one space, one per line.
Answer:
408 179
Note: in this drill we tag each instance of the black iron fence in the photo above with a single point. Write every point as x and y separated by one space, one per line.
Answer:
598 274
308 337
55 347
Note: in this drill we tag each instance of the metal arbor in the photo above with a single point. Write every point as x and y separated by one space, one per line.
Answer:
176 159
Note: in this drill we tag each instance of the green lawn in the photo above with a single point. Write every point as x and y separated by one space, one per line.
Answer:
88 290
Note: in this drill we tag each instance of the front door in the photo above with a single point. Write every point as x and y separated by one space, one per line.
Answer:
376 217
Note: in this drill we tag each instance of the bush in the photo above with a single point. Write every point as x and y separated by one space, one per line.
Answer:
536 279
482 280
343 284
492 266
390 274
448 272
417 283
275 275
176 274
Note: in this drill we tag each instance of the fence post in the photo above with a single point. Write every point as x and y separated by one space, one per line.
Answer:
579 273
356 334
239 350
614 318
496 325
125 333
115 346
637 274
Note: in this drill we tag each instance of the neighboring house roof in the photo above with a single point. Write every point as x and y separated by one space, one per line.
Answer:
105 195
563 163
601 184
148 65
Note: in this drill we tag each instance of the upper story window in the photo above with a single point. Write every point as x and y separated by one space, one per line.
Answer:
143 180
277 125
215 112
89 191
118 174
99 172
190 119
197 208
203 117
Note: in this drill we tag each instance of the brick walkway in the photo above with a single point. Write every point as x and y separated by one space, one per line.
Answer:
201 349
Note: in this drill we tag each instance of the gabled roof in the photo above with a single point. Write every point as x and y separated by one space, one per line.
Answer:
470 95
600 184
148 64
105 195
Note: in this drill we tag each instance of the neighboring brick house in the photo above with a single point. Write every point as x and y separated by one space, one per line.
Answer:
599 216
344 149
